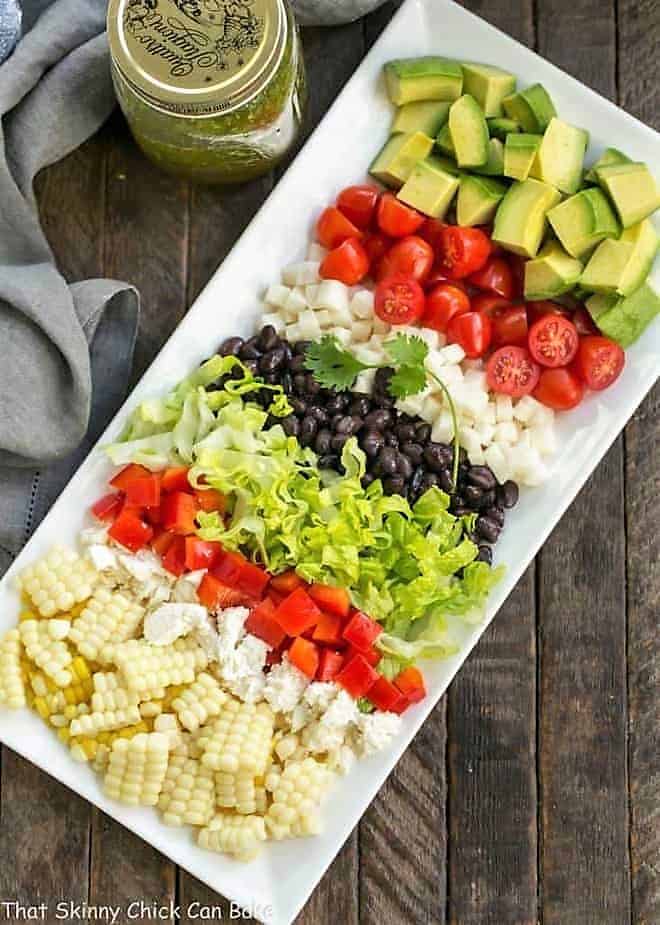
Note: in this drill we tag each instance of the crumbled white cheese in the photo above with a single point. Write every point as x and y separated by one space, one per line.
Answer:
243 670
231 629
285 685
185 589
169 622
341 759
342 712
376 731
300 716
103 558
319 695
93 536
319 738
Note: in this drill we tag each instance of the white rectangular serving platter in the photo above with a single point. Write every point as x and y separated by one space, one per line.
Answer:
276 886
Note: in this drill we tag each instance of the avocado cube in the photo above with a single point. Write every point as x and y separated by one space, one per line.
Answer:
627 319
607 266
494 166
645 243
432 78
608 157
426 116
560 156
430 188
600 302
551 274
633 190
531 107
478 198
469 132
519 153
488 85
444 142
520 220
583 221
396 160
500 128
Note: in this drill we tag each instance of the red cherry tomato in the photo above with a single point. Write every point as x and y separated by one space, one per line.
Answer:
411 256
431 231
538 310
495 276
599 362
559 389
443 303
436 277
584 323
376 245
490 305
396 218
463 250
358 203
348 263
512 371
472 331
399 300
553 341
333 228
517 265
510 327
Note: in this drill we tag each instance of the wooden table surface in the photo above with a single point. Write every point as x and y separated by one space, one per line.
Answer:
531 794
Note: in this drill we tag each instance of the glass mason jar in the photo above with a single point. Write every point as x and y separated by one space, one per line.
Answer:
213 90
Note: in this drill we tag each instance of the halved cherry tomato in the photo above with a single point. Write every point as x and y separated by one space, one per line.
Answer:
348 263
396 218
130 531
538 310
559 389
328 630
330 664
144 492
437 277
443 303
358 203
209 499
584 323
215 595
385 696
411 256
431 231
108 507
128 475
399 300
490 305
510 327
357 676
174 560
361 631
200 554
334 600
297 613
411 683
495 276
286 582
553 341
463 250
512 371
179 510
376 245
333 228
262 623
305 656
473 331
176 479
517 264
599 362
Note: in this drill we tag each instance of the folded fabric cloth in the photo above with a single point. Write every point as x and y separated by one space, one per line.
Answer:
58 339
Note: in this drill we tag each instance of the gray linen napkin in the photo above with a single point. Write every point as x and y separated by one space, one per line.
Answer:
55 339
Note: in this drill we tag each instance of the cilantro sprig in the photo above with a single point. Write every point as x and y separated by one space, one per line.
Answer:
333 367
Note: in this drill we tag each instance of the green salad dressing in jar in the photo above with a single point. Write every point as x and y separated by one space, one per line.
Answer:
213 90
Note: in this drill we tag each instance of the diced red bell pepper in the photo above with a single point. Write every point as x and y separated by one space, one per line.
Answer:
262 623
385 696
373 656
330 664
253 580
162 541
361 631
297 613
274 596
328 630
215 595
357 676
411 683
401 705
153 515
209 500
201 554
176 479
305 656
333 600
228 568
179 510
144 492
108 507
128 475
174 559
131 531
286 582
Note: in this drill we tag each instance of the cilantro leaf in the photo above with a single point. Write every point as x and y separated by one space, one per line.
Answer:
407 380
332 366
407 350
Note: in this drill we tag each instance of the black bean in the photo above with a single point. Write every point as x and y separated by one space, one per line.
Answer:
311 385
378 419
299 383
414 452
383 378
462 455
496 514
337 403
488 529
423 432
308 430
268 338
461 510
291 425
367 479
372 442
250 349
394 485
507 494
437 456
322 443
231 347
382 401
388 461
485 555
417 481
473 496
329 461
287 383
488 499
338 442
297 363
360 406
301 346
458 501
299 405
318 413
405 432
348 425
482 477
404 467
392 440
251 365
272 361
429 481
445 480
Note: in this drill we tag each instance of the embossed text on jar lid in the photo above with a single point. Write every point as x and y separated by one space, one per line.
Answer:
197 57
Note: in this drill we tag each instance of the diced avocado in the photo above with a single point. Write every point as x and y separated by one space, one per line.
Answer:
531 107
444 142
627 319
488 85
447 163
395 162
501 127
599 303
412 79
430 188
607 266
552 273
478 198
519 153
645 243
560 156
608 157
520 219
427 116
582 221
494 166
469 132
632 189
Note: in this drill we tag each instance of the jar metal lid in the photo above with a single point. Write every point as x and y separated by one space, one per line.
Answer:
197 57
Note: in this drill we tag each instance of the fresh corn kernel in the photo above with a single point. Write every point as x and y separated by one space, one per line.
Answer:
12 684
240 739
168 724
297 796
150 709
239 836
240 792
107 721
108 616
45 646
111 693
286 747
199 702
170 695
145 666
58 582
101 759
137 768
188 794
